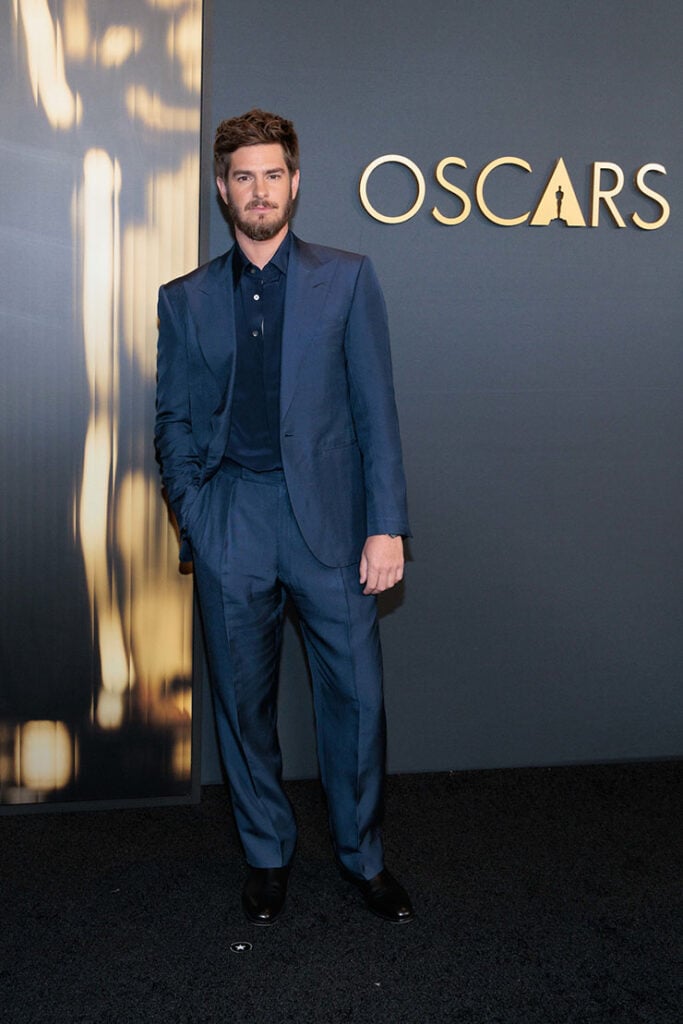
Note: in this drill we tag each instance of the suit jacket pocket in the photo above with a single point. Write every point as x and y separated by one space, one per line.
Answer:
349 443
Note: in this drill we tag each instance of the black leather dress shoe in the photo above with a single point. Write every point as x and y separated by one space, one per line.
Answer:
384 896
264 893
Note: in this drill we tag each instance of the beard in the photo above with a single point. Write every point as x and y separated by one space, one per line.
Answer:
260 230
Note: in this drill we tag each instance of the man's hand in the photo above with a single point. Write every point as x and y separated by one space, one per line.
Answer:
381 563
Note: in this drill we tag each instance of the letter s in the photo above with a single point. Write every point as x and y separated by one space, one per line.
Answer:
647 191
462 196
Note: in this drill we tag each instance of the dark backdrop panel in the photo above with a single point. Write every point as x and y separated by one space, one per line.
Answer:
99 163
539 370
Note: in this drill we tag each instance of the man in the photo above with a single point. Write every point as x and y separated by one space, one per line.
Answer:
279 446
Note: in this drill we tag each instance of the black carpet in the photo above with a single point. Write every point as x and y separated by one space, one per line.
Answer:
544 896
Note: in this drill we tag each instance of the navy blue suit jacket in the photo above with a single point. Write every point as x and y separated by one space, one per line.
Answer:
341 451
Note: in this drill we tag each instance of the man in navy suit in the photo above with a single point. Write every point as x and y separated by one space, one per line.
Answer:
279 447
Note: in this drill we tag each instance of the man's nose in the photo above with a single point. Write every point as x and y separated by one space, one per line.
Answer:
260 187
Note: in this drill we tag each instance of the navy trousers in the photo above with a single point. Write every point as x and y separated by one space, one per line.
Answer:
248 555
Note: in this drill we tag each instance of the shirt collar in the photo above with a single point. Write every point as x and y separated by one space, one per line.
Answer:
279 259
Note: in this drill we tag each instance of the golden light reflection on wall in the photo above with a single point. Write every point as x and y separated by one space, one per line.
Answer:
109 714
44 756
116 45
45 50
135 224
182 755
159 624
152 247
76 29
149 108
98 228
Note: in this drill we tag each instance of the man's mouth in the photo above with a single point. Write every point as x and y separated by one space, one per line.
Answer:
261 206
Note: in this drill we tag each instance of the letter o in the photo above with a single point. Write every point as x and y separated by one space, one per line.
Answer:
392 158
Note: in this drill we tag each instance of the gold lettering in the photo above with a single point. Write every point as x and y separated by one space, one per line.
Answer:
419 178
479 190
650 225
462 196
606 195
558 201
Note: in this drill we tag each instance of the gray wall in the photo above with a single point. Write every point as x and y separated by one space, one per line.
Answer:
538 369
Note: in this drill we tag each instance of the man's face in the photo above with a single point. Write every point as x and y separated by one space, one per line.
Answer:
259 191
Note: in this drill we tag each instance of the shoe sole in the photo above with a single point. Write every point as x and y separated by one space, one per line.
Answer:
391 920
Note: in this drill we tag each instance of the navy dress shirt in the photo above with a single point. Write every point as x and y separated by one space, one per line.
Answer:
254 439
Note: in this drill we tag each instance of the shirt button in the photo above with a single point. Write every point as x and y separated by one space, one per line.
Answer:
254 334
256 298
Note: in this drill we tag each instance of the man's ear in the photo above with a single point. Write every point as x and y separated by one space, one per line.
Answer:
295 183
222 188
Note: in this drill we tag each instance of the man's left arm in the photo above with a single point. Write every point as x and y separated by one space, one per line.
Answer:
373 405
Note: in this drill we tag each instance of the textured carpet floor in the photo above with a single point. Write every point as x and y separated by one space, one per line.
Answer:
544 896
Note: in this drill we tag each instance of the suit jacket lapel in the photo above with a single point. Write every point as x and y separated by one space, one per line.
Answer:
212 305
308 280
212 302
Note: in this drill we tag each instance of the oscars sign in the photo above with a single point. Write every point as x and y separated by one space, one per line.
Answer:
557 203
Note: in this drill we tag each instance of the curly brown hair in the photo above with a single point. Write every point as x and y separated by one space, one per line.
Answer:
256 127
